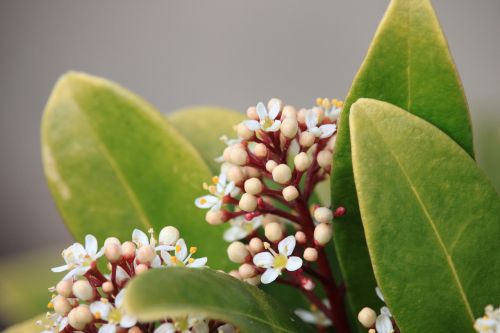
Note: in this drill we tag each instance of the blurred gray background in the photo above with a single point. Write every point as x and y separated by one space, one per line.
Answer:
223 52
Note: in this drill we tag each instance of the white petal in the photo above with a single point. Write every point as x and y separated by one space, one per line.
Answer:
226 328
166 258
229 188
306 316
164 248
311 118
252 125
274 127
379 294
108 328
121 275
181 251
63 323
315 131
293 264
91 245
327 130
102 308
287 245
78 271
261 111
139 238
127 321
119 298
385 311
156 262
269 275
206 201
263 259
274 109
383 324
59 269
234 233
200 262
165 328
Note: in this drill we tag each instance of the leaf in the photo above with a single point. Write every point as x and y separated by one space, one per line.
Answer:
431 219
27 326
209 293
409 65
113 164
203 126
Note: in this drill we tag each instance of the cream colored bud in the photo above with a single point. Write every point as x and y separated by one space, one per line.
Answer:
306 139
300 237
236 175
323 215
237 252
260 150
134 329
244 132
64 288
323 233
273 231
256 245
214 217
325 158
252 113
226 154
367 317
248 202
235 274
128 250
113 240
146 254
321 114
290 193
251 172
61 305
331 142
168 235
274 101
289 111
107 287
301 116
302 162
269 218
254 281
246 271
253 186
141 268
311 254
289 127
282 174
238 156
113 252
270 165
80 317
83 290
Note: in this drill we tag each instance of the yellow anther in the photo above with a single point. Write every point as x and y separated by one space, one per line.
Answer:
314 308
215 179
50 305
191 260
193 249
371 330
326 104
319 101
267 245
212 189
205 186
177 248
97 315
173 260
203 201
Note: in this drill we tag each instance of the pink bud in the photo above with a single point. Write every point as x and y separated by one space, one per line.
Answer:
339 212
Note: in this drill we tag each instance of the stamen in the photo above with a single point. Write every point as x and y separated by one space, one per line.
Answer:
177 248
193 249
215 179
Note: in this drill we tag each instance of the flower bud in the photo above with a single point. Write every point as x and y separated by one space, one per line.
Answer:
300 237
128 250
253 186
290 193
306 139
289 127
168 235
83 290
323 233
237 252
273 231
215 217
321 114
323 215
256 245
311 254
113 240
282 174
113 252
238 155
251 172
254 281
146 254
339 212
64 288
367 317
236 175
252 113
135 329
80 317
235 274
248 202
246 271
324 158
141 268
301 116
61 305
289 112
302 162
107 287
244 132
226 154
260 150
270 165
274 101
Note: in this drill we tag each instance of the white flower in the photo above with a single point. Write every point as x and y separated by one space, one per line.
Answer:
315 316
383 324
276 262
54 322
267 119
218 190
186 324
115 316
181 257
490 323
78 258
240 228
323 131
141 239
333 113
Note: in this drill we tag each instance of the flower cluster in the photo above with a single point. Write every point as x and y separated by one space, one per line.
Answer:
490 322
265 193
382 323
87 300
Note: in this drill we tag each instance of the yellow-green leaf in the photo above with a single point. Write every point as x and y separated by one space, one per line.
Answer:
27 326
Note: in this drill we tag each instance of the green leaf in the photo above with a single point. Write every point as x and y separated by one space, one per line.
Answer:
28 326
180 291
203 126
431 219
409 65
113 163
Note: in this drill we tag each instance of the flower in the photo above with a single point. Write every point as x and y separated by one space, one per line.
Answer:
315 316
240 228
490 323
276 262
182 258
267 119
218 190
140 239
54 323
114 315
383 324
79 259
323 131
333 113
185 324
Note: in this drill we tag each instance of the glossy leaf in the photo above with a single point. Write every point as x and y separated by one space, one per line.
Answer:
431 219
409 65
113 163
179 291
27 326
203 126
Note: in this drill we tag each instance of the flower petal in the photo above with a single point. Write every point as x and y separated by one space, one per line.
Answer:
121 275
293 263
206 201
108 328
261 111
127 321
156 262
287 245
200 262
166 258
234 233
274 109
263 259
165 328
139 238
164 248
274 127
269 275
306 316
59 269
101 309
311 118
181 251
252 125
379 294
327 130
383 324
119 298
90 245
